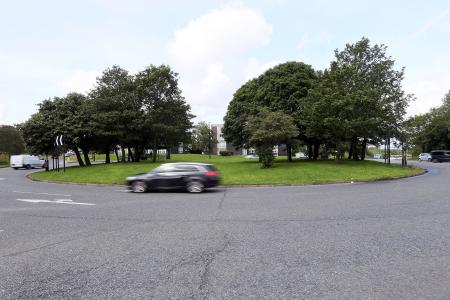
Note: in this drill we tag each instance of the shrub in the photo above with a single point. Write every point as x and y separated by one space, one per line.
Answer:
225 153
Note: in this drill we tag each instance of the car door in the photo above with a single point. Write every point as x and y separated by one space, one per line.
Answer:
185 173
164 177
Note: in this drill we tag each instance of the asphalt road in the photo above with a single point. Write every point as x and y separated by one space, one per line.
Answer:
384 240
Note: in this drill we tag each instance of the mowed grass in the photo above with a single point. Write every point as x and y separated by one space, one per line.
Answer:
235 170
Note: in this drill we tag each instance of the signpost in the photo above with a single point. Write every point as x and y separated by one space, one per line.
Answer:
59 146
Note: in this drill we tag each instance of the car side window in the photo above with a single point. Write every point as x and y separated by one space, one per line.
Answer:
164 169
186 168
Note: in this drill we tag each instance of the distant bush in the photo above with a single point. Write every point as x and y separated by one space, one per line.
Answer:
195 151
225 153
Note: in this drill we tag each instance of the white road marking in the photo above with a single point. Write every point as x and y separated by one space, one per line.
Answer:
48 194
59 201
2 179
123 191
1 230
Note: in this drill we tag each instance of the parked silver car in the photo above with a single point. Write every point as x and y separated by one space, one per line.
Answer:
424 157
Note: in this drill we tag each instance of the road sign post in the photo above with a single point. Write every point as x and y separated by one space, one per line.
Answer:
59 146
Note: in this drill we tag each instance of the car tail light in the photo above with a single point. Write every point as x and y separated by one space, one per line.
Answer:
211 173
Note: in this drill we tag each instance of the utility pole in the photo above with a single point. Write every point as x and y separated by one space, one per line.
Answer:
209 139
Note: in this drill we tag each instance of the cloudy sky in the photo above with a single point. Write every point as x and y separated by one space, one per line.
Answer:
50 48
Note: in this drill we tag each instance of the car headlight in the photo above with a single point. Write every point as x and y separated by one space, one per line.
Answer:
131 178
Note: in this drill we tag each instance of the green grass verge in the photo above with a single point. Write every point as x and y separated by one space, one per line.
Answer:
4 164
236 170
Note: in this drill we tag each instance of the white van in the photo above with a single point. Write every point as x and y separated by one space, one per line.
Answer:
26 161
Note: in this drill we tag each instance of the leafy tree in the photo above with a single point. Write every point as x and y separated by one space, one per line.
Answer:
117 118
431 131
268 129
166 116
360 98
66 116
11 140
39 131
283 88
203 138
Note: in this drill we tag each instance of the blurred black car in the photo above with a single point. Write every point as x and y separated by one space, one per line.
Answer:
440 156
193 177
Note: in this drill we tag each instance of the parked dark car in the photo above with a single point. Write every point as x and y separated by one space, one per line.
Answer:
193 177
440 156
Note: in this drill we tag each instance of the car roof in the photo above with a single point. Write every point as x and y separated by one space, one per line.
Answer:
186 163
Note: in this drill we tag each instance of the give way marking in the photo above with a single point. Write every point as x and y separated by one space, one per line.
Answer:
57 201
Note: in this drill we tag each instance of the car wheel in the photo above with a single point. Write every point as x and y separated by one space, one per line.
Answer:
195 187
28 167
139 187
16 168
434 160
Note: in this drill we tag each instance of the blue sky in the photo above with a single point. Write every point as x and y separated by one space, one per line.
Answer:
50 48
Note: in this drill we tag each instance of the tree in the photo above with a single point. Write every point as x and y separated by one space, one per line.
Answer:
268 129
360 98
118 115
203 138
166 115
431 131
11 140
66 116
283 88
39 131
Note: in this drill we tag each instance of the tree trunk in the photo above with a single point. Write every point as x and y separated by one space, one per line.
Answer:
130 155
351 151
389 150
107 157
122 150
117 154
316 150
137 154
77 153
289 151
168 153
155 151
363 149
86 156
310 151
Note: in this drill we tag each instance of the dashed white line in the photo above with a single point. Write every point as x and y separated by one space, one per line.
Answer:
2 179
48 194
58 201
122 191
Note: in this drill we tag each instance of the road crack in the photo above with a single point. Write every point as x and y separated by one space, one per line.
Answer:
204 259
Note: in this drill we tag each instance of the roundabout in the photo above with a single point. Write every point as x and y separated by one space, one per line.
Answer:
385 239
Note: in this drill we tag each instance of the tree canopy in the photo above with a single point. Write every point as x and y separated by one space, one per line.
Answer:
11 141
282 88
136 112
358 100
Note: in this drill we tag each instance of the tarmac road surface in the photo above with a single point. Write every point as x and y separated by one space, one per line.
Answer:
383 240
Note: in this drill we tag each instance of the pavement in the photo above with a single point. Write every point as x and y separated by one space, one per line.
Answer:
381 240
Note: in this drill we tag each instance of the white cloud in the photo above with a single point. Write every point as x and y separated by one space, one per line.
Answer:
210 54
308 40
229 31
79 81
431 23
214 80
429 93
304 41
255 67
2 121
